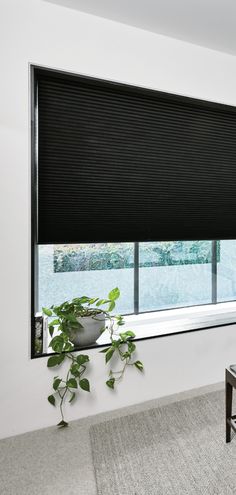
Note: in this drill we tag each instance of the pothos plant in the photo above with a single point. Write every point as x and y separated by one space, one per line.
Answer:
65 320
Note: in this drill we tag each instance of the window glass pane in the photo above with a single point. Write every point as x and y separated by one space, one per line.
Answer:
74 270
174 274
226 271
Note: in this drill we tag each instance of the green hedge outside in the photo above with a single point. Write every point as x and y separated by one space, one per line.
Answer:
86 257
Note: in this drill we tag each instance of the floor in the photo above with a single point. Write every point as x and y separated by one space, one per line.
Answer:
56 462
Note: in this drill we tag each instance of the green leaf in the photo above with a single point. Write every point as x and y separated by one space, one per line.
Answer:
51 399
56 383
54 322
72 397
63 327
139 365
68 347
55 310
105 350
102 301
92 301
82 358
52 361
51 330
60 358
116 343
109 354
75 370
47 311
58 347
114 294
57 343
75 325
62 424
110 383
119 320
111 306
80 300
126 355
131 346
72 383
70 317
84 384
84 299
129 333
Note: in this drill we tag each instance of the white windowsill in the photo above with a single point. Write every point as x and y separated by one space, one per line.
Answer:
177 320
172 321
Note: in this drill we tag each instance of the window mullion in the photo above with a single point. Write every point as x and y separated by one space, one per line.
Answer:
136 278
214 272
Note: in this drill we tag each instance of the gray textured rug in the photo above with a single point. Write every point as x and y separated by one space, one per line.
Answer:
177 449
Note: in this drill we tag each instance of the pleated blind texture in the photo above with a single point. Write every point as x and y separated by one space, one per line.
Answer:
119 163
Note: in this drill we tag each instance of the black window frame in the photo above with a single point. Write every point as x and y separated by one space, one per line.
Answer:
34 244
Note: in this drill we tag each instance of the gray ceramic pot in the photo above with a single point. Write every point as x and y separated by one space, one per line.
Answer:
89 332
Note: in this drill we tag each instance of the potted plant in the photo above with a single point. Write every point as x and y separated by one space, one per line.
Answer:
78 322
83 323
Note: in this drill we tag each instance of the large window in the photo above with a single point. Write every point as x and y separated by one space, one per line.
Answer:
110 162
151 276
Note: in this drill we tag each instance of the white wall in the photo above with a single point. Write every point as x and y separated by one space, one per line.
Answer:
42 33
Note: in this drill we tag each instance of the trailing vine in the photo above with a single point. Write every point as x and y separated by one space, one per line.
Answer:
121 346
65 321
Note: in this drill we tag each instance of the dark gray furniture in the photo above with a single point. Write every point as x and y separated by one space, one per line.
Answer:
230 384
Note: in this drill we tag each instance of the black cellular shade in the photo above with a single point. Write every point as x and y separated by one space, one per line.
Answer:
120 163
